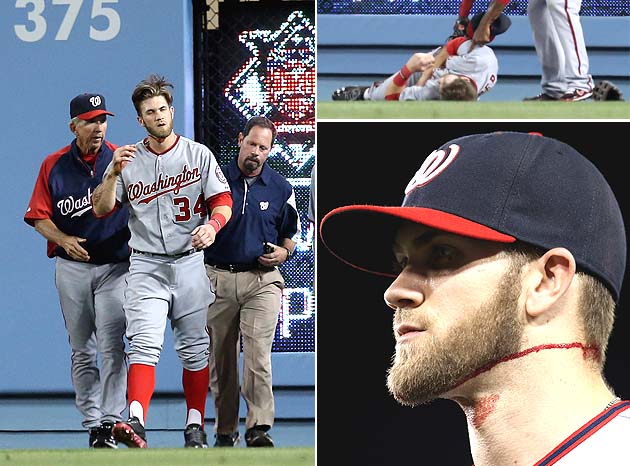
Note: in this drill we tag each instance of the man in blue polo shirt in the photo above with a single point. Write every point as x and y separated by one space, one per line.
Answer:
242 267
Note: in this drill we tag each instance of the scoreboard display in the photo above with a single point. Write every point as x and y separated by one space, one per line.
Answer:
260 61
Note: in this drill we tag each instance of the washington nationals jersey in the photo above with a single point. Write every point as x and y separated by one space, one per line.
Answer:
63 194
167 193
603 440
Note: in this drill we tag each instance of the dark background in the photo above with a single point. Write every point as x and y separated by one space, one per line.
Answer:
358 422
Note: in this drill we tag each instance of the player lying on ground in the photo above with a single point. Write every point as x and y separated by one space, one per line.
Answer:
460 70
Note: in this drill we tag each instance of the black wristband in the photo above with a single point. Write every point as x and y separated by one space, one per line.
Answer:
289 253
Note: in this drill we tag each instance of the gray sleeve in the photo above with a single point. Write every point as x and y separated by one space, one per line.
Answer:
430 91
120 191
377 92
467 65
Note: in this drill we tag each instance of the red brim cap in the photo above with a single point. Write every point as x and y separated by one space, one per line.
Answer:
500 187
93 114
362 235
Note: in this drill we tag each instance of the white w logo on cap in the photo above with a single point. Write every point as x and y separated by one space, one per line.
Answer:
434 164
95 100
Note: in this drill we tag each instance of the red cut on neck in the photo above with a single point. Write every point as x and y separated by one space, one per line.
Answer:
483 408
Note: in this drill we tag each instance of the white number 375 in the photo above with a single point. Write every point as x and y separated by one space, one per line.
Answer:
36 28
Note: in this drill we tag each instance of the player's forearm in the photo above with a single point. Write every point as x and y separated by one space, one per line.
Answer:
49 230
464 8
288 244
426 75
417 62
224 210
494 11
104 196
441 55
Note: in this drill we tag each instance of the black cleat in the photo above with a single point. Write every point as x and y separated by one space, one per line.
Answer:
131 433
257 436
349 93
227 440
195 437
102 436
540 98
93 435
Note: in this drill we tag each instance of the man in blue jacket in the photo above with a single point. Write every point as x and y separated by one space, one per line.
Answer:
92 261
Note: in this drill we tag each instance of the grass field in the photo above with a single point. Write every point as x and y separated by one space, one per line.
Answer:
473 110
161 457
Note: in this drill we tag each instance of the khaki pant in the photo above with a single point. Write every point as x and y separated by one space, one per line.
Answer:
247 304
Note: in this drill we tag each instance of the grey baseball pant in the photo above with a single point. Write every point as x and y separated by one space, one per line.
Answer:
161 288
560 45
91 298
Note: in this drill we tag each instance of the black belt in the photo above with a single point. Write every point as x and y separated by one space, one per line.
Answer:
168 256
236 267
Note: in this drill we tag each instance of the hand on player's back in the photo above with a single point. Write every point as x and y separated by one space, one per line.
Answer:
122 156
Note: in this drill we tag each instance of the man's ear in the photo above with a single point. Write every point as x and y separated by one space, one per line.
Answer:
240 139
140 120
551 277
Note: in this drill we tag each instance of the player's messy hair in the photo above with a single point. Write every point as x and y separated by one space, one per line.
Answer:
154 86
458 89
263 122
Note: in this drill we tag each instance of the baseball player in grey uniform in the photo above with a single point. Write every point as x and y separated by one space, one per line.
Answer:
169 183
459 70
479 67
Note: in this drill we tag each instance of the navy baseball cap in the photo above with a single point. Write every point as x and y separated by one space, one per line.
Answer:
503 187
87 106
498 26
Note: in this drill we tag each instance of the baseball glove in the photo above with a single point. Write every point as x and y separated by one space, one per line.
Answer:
605 90
459 28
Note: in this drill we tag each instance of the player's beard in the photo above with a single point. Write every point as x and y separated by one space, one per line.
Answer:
425 369
160 132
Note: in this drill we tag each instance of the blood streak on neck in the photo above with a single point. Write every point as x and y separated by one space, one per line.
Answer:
591 351
482 409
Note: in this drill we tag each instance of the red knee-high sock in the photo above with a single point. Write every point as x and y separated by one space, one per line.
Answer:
195 385
140 385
